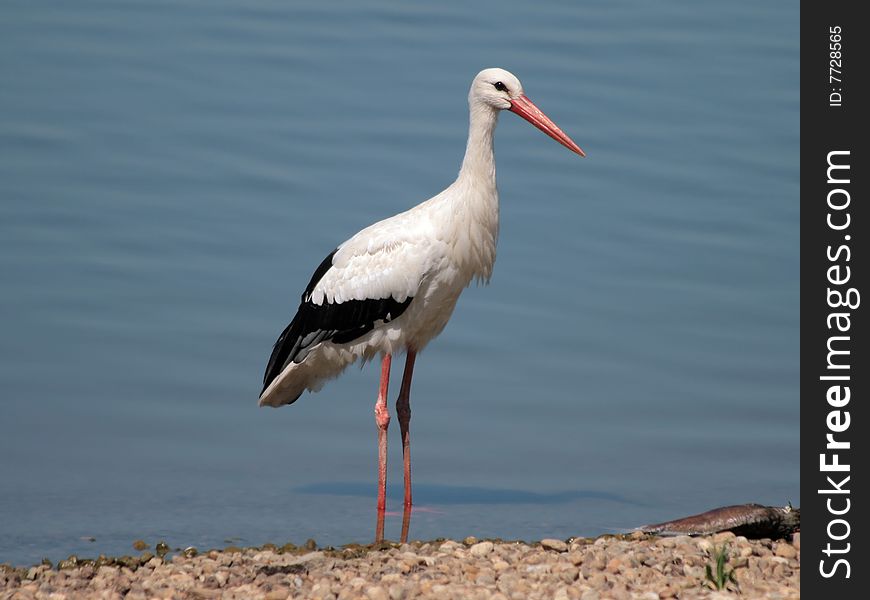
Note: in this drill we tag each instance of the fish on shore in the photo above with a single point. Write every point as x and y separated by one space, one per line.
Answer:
749 520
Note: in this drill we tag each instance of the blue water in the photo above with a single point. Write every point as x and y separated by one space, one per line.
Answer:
171 174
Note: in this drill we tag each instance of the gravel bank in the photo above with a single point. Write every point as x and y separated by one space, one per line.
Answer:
621 567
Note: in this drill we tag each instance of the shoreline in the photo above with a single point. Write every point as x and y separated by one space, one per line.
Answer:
611 566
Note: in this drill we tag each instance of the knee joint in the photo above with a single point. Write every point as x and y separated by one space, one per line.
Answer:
382 417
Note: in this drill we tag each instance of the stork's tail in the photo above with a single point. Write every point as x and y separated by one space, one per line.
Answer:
325 361
280 393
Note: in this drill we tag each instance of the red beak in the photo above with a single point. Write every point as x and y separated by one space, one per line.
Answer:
531 113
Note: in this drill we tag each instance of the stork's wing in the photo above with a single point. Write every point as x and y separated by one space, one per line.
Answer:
369 280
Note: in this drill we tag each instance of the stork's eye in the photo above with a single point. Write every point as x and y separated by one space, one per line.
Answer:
500 86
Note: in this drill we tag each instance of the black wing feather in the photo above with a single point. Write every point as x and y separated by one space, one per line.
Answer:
337 322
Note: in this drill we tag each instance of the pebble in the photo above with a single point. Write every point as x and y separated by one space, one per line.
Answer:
557 545
610 567
723 536
376 593
397 592
481 548
221 578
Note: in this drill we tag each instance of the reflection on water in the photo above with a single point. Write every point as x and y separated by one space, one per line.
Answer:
461 494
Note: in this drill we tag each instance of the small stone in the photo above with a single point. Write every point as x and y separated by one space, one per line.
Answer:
538 568
481 548
376 592
470 540
107 572
278 593
485 580
723 536
692 571
785 550
140 545
596 563
396 591
796 540
614 565
449 546
553 544
310 544
705 545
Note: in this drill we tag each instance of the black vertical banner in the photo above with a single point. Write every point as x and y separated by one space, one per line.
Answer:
835 225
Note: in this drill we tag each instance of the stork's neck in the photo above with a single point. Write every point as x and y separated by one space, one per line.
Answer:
472 225
478 166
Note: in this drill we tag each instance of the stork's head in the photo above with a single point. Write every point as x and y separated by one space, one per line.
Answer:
501 90
495 87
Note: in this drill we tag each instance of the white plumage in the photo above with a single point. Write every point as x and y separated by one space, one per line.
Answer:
393 286
429 253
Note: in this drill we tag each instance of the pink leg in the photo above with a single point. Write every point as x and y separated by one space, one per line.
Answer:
403 410
382 418
406 523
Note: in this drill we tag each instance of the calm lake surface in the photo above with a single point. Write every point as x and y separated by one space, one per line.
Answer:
172 173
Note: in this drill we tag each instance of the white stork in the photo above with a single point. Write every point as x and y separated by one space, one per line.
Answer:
393 286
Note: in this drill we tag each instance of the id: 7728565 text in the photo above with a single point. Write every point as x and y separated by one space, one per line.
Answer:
835 65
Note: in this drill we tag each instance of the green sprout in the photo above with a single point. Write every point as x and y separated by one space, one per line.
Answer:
722 576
